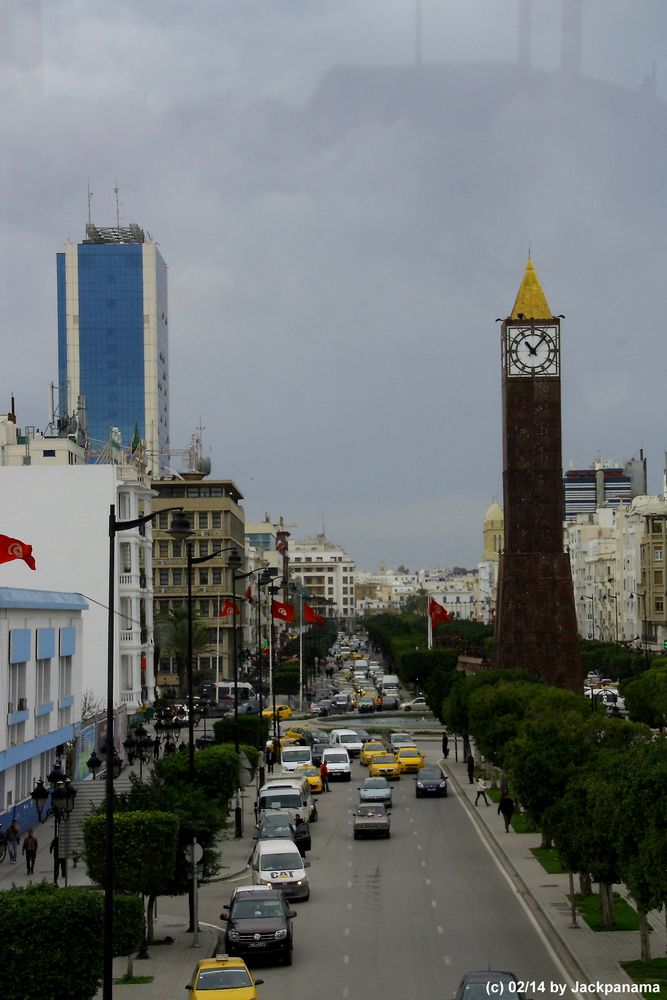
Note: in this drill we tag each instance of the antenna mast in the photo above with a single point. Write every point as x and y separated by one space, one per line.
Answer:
90 196
115 191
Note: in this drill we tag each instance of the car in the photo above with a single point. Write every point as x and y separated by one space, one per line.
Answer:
409 759
390 702
366 704
384 765
282 712
397 740
416 705
371 820
314 777
278 824
278 864
375 790
363 734
324 707
316 751
487 983
259 922
223 977
337 760
368 749
430 781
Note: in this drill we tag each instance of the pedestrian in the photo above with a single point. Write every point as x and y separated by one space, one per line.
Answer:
470 764
59 864
506 809
29 848
481 790
269 759
156 748
13 835
445 745
324 774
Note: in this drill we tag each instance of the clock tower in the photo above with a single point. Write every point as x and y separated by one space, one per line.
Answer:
536 625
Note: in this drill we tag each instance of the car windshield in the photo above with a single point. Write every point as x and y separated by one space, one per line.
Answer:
479 989
371 811
302 754
383 758
281 800
430 774
337 758
285 859
373 746
223 979
408 752
376 783
245 909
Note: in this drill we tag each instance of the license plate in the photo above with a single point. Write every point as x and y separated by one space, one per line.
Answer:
257 944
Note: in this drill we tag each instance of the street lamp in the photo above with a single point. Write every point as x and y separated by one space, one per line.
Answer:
266 576
234 561
587 597
274 588
114 527
63 795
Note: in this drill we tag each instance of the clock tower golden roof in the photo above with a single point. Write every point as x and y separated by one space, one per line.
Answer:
531 302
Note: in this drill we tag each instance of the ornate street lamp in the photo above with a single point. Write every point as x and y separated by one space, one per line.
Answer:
63 796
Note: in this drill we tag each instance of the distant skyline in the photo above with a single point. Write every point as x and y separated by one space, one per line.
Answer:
342 228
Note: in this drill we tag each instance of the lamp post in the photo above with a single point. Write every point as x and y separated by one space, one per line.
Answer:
275 588
63 795
587 597
614 598
233 562
114 527
264 579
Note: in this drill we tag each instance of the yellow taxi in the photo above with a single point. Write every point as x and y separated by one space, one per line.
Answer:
223 978
313 775
384 765
282 711
368 749
409 759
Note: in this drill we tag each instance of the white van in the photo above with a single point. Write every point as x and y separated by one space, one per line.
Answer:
347 738
337 760
292 756
287 791
278 865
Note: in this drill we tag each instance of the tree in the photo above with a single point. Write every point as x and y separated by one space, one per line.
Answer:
28 916
171 636
286 679
646 697
144 854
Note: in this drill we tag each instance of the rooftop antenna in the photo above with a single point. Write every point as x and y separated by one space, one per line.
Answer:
90 197
116 191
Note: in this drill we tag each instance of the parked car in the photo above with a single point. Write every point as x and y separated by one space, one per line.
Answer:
259 922
431 781
371 820
487 983
212 976
416 705
390 702
375 790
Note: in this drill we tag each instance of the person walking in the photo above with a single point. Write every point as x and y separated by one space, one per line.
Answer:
481 790
13 835
59 864
506 809
470 764
324 774
29 848
445 745
269 759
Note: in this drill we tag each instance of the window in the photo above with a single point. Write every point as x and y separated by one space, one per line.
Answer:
216 519
203 520
657 553
176 549
203 548
162 521
43 685
658 577
216 574
48 453
164 577
203 577
177 577
163 550
65 676
204 609
659 604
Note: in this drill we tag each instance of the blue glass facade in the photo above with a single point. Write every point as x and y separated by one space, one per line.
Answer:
109 323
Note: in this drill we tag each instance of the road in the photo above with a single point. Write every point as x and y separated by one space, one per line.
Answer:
400 918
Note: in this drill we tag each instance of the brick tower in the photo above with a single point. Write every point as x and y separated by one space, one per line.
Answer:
536 625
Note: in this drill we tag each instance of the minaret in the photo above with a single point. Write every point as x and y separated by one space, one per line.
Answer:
536 625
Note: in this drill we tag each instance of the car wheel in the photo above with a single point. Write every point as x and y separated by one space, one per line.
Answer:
407 708
356 835
287 956
387 834
348 777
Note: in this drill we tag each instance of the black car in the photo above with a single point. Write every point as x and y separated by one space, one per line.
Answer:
390 702
259 922
316 752
279 825
486 983
430 781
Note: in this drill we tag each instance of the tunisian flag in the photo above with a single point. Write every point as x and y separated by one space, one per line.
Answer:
437 613
311 617
229 609
12 548
285 612
248 596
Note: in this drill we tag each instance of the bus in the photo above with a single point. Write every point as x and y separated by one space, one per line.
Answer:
223 691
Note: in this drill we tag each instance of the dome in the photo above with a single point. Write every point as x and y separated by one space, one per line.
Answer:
494 513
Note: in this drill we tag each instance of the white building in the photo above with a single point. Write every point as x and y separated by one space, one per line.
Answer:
41 644
63 512
327 573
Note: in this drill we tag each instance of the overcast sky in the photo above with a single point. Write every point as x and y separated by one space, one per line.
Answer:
342 227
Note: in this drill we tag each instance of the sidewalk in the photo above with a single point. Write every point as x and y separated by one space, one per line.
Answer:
170 965
588 956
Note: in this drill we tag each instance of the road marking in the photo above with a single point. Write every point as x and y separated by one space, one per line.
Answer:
346 959
346 932
349 864
349 906
423 864
441 930
428 881
346 991
433 903
349 884
448 959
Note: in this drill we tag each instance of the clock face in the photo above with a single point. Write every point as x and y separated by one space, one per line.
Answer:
532 350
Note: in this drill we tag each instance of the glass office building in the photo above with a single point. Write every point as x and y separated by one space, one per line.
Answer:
113 339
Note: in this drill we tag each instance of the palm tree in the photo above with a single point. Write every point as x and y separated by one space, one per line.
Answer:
171 637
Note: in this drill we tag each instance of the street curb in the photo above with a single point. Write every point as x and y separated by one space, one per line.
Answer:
551 932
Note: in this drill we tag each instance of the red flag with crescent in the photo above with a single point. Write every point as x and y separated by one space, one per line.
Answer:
12 548
285 612
437 613
311 617
229 609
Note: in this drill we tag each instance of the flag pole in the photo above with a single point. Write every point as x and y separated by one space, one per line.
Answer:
300 652
429 625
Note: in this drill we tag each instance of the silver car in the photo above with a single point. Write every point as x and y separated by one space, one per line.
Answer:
371 821
375 790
